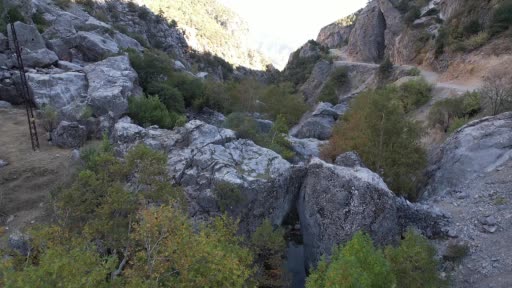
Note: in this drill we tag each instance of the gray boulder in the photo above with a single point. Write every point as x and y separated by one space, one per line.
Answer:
66 92
5 105
111 82
477 148
318 124
306 148
3 163
349 159
315 127
336 202
126 42
208 116
28 37
39 58
69 135
94 47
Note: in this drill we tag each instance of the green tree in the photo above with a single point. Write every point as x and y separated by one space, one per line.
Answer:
357 264
170 253
377 128
150 110
413 263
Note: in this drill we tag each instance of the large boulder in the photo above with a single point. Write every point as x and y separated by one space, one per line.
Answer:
28 37
479 147
93 46
200 156
306 148
66 92
69 135
318 124
336 202
39 58
111 82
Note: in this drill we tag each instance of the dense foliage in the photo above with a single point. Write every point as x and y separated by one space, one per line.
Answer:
359 264
107 235
450 114
377 128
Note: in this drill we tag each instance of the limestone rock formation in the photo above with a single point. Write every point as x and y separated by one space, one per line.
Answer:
335 202
334 35
111 82
479 147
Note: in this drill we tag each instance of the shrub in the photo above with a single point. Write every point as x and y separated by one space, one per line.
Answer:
377 128
143 13
63 4
357 264
88 5
502 18
49 117
457 123
132 7
228 196
414 72
14 15
413 263
338 80
472 27
170 96
455 251
269 245
173 23
413 14
476 41
445 112
413 94
40 21
360 264
496 90
279 100
150 110
386 68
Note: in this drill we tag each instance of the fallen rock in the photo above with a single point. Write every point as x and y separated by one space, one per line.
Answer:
69 135
306 148
111 82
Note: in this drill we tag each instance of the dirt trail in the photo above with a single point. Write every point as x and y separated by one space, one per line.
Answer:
25 184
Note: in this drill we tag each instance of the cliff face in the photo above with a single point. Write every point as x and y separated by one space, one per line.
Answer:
211 27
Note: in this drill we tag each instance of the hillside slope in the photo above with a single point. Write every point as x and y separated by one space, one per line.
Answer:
211 27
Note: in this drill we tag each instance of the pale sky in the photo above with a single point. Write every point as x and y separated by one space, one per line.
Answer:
278 27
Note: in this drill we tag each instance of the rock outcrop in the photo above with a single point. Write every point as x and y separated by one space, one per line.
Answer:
481 146
334 35
111 82
319 123
201 155
471 181
367 40
335 202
